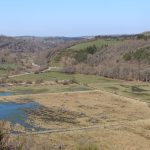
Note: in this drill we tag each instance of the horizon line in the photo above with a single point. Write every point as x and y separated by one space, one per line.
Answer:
117 34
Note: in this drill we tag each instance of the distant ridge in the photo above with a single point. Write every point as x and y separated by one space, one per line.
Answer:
146 33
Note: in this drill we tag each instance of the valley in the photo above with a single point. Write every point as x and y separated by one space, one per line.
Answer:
66 102
74 75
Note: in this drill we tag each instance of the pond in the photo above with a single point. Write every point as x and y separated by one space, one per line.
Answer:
6 94
14 113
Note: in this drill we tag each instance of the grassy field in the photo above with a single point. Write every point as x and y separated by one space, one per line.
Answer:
98 43
3 73
79 48
117 112
37 89
117 121
5 68
139 90
135 90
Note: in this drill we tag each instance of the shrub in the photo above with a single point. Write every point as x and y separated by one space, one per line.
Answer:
69 69
3 80
140 54
39 81
81 56
14 82
65 82
91 49
127 56
29 82
74 81
56 80
37 72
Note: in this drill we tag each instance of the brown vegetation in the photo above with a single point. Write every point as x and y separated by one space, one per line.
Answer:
120 123
115 61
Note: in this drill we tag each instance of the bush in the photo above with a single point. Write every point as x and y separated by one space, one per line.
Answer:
140 54
39 81
3 80
37 72
142 36
69 69
56 80
14 81
91 49
127 56
74 81
29 82
81 56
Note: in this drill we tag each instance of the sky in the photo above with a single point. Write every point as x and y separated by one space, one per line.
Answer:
73 17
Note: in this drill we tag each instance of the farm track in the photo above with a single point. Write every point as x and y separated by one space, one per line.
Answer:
80 92
109 126
28 73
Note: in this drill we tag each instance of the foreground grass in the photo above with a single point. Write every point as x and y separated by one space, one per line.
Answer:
87 147
120 119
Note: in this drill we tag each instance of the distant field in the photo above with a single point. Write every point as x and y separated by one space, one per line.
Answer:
2 73
52 76
98 43
139 90
37 89
72 51
5 68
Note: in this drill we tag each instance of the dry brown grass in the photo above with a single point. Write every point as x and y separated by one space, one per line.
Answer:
125 122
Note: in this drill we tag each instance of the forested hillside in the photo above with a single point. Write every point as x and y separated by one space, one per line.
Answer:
18 53
124 57
120 57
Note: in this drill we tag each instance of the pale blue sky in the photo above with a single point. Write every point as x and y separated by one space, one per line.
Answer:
73 17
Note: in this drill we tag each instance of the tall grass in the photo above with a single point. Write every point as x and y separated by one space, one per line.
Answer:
87 147
6 142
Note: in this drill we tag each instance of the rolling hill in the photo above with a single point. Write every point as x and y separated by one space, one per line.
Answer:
24 51
122 57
